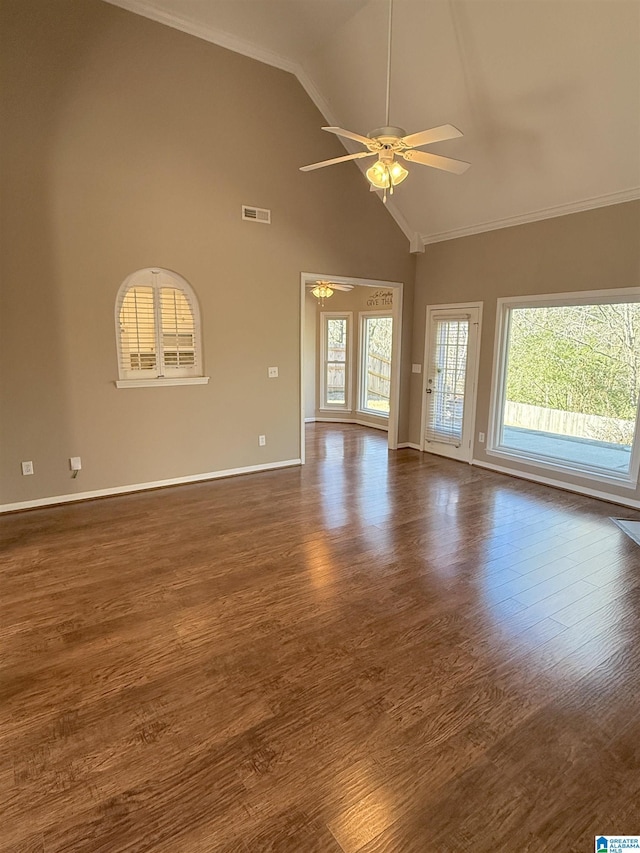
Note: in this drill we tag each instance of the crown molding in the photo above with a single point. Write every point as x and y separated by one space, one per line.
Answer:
535 216
416 244
318 98
206 33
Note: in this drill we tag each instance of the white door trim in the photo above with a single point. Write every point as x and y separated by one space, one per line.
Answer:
396 350
454 307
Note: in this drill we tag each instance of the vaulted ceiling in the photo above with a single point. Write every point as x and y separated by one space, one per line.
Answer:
546 92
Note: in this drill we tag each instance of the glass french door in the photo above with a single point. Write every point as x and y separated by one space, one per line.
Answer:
452 352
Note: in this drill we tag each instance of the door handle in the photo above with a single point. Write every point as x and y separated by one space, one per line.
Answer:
429 390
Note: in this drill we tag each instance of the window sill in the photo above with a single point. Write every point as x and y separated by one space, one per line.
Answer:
627 481
371 414
162 381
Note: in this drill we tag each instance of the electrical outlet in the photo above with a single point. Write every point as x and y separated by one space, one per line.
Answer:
481 437
75 463
27 468
416 368
273 372
262 440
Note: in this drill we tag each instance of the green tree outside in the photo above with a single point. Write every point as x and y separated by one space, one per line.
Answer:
579 358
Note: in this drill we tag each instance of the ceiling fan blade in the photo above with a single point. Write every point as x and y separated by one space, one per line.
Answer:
349 134
337 160
447 164
331 284
435 134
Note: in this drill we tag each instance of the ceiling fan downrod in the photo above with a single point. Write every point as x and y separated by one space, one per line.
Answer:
389 63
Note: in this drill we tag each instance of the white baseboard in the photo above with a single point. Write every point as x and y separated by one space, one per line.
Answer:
142 487
409 444
559 484
383 427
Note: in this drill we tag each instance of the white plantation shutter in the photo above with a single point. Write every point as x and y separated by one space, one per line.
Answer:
158 327
138 350
178 329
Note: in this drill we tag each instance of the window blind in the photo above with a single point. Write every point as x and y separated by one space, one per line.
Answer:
448 367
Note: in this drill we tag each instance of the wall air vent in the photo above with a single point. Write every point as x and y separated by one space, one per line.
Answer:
256 214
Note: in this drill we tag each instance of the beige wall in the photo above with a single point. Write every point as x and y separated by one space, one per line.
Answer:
594 250
127 144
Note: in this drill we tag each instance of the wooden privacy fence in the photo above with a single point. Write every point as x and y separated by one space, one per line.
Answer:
568 423
336 380
378 377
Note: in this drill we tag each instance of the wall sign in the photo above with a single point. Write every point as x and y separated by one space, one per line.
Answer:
380 299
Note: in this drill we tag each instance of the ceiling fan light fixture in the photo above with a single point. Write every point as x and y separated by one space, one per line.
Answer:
385 176
398 173
322 291
378 175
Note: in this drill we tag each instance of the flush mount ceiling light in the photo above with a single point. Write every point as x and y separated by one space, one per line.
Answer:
388 142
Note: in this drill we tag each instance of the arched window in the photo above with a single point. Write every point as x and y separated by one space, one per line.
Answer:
157 329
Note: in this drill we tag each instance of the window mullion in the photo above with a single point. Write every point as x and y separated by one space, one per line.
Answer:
157 307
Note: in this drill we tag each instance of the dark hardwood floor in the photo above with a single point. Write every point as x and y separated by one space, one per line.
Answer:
376 653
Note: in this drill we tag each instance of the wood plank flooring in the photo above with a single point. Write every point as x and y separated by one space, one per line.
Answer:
376 653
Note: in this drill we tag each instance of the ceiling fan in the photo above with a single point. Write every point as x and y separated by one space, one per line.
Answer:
388 142
324 289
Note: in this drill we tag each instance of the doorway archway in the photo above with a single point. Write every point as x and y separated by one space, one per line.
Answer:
308 278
